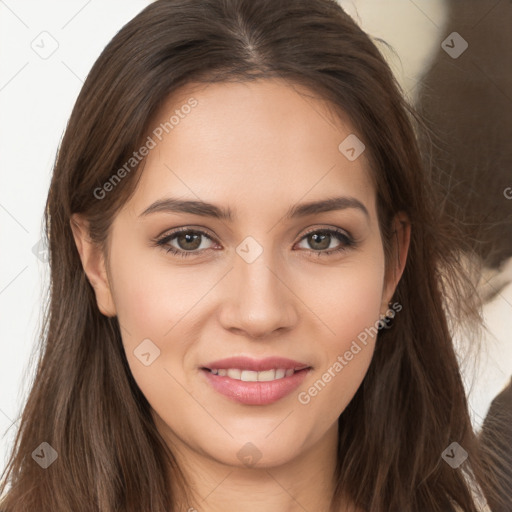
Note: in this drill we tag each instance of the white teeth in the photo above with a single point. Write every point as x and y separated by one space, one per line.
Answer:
234 373
252 376
267 375
249 376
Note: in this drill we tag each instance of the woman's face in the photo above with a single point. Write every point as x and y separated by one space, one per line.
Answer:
286 275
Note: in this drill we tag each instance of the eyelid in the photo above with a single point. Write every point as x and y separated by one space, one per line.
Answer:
161 240
328 228
203 231
185 229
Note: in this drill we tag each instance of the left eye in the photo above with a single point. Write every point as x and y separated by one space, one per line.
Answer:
322 240
189 242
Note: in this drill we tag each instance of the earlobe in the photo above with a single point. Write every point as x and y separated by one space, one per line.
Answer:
93 264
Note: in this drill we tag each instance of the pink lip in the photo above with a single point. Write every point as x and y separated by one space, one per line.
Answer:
256 393
257 365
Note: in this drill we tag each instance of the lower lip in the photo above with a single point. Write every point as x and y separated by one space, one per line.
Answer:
256 393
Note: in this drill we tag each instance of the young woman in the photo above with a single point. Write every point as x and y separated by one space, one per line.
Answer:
251 281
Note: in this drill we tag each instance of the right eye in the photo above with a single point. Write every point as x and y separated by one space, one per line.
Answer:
188 242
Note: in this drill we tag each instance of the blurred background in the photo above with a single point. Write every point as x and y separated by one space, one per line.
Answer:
453 59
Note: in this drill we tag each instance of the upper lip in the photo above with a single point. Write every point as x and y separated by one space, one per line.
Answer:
258 365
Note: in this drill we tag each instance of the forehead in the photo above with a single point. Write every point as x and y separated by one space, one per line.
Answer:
255 144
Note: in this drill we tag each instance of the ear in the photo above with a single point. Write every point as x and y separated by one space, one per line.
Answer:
93 263
401 233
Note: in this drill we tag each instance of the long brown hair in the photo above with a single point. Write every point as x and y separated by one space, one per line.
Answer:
84 401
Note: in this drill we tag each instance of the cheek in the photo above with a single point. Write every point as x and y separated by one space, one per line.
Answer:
152 297
154 305
163 302
350 313
346 298
358 302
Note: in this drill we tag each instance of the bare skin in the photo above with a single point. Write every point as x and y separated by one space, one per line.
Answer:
258 148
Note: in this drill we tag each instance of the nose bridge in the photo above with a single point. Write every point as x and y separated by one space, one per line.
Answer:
260 302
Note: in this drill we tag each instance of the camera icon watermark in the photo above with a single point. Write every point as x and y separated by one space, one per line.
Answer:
45 45
454 45
249 249
351 147
40 250
454 455
146 352
249 454
45 455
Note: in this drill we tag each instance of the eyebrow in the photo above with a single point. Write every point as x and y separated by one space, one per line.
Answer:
205 209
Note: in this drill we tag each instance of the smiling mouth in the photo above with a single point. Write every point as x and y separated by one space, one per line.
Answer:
255 376
251 387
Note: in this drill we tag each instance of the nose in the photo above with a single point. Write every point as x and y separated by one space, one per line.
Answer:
258 300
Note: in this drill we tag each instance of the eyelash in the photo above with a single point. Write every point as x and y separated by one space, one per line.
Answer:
162 242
